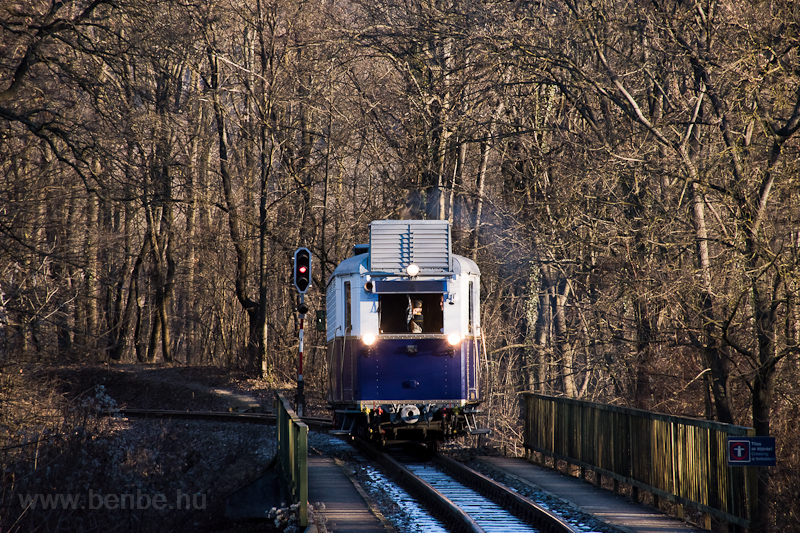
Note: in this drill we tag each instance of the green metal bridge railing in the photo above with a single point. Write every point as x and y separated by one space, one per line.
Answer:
676 458
293 455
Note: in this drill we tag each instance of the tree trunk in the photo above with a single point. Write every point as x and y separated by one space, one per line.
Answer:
477 208
119 313
564 347
91 257
252 364
714 358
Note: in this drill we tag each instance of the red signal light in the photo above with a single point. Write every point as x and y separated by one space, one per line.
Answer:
302 269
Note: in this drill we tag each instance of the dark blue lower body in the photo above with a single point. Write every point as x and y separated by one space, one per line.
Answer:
403 370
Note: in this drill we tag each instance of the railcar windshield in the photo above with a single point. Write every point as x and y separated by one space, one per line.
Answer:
411 313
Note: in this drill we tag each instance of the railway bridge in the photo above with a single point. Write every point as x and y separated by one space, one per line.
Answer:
628 468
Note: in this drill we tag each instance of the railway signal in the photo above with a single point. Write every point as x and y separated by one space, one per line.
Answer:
302 270
302 280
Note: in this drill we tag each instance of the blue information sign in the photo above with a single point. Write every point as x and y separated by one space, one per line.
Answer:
751 451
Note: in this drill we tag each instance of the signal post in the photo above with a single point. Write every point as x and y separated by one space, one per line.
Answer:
302 281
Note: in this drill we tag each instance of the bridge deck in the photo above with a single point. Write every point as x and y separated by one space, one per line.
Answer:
338 503
613 509
336 500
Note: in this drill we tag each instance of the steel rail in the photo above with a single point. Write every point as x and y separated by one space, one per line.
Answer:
440 507
522 507
448 511
221 416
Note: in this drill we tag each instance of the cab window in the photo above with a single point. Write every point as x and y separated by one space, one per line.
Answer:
411 313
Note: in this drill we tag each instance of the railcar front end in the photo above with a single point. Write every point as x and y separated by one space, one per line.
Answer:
404 336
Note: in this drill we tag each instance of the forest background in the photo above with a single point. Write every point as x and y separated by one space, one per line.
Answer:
624 173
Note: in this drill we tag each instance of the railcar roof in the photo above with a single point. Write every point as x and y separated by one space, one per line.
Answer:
358 264
464 265
352 265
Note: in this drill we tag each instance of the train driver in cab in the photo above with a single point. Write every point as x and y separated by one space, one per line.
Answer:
415 318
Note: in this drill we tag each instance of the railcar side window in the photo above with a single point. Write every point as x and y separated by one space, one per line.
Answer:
348 322
471 305
410 313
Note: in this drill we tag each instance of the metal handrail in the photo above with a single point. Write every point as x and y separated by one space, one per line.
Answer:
677 458
293 454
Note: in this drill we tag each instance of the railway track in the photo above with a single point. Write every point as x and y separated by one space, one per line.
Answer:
464 500
461 499
220 416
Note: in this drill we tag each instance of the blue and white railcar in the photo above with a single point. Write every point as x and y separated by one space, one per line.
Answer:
404 335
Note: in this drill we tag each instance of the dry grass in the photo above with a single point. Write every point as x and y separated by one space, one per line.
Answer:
104 473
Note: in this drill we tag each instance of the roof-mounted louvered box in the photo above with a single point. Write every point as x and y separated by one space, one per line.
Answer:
395 244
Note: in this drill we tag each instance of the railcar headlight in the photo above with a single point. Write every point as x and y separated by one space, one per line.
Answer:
368 339
453 339
412 270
